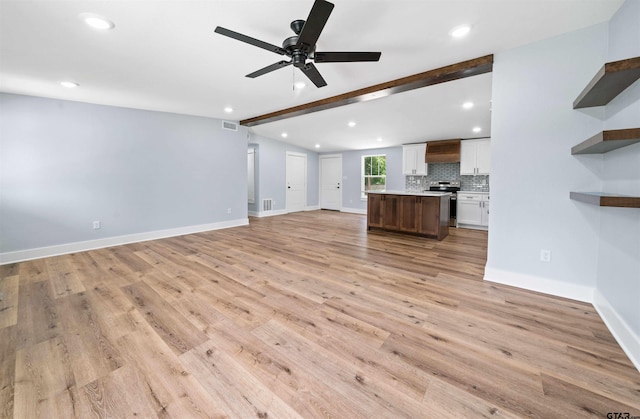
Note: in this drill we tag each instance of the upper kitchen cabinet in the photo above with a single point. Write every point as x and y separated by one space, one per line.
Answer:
475 157
413 162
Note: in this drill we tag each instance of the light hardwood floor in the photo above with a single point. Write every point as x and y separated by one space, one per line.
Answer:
301 315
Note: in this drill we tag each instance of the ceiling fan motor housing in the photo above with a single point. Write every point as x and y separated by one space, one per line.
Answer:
298 55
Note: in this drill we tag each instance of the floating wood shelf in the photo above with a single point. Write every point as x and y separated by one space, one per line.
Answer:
607 140
608 83
606 200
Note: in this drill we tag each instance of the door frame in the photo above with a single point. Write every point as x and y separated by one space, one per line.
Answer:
294 154
325 156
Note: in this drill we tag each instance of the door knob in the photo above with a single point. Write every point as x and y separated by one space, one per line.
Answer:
288 187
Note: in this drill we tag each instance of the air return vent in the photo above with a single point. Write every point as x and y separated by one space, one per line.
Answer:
267 204
231 126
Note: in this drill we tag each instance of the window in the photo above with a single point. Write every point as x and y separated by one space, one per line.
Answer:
374 174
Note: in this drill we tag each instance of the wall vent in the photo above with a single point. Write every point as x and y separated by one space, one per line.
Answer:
267 204
231 126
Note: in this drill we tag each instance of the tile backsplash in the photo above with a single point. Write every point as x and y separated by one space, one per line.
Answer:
447 171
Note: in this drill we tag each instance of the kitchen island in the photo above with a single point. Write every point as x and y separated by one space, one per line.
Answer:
421 213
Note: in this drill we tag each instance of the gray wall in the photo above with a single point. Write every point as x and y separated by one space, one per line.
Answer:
618 278
351 172
65 164
271 169
533 129
253 208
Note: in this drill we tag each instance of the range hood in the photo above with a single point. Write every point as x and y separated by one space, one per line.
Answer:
444 151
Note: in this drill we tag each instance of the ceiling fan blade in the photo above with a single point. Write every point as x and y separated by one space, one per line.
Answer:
313 74
345 57
314 24
249 40
269 69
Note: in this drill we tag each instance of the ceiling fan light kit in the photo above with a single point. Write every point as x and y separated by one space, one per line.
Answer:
300 48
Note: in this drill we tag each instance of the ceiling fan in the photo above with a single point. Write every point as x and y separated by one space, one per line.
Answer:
302 46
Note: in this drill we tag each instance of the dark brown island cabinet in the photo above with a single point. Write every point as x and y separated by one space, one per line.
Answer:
420 213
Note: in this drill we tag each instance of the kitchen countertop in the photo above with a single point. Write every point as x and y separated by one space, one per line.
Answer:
423 193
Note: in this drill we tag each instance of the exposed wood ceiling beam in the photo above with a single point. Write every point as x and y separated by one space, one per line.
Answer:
451 72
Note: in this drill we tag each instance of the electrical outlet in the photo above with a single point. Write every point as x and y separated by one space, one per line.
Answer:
96 225
228 210
545 255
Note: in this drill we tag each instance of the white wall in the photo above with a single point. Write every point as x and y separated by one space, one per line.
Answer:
595 251
352 169
533 171
143 174
271 169
618 279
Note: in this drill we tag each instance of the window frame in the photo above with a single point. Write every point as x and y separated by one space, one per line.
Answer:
363 192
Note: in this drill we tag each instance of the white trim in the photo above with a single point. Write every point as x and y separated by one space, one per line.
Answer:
63 249
354 210
261 214
472 226
624 335
540 284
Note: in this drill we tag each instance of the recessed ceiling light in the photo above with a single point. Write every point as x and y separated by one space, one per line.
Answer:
460 31
299 85
379 140
97 21
284 135
351 124
69 84
467 105
228 109
317 145
477 129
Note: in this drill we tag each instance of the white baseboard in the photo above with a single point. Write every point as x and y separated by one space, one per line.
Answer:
472 226
354 210
63 249
626 338
540 284
261 214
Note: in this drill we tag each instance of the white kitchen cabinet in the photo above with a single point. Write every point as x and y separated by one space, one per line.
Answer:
485 212
413 157
473 210
475 157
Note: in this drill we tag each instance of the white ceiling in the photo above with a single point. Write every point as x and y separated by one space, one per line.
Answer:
164 56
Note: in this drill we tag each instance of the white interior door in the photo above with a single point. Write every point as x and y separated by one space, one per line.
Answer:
330 182
296 177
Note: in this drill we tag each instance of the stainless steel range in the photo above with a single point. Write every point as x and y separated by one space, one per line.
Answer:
452 186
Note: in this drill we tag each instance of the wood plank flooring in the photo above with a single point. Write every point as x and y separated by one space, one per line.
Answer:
299 315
